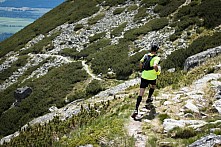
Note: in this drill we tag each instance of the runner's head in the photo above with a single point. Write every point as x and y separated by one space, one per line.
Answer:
154 47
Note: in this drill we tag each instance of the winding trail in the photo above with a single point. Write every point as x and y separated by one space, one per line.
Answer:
86 67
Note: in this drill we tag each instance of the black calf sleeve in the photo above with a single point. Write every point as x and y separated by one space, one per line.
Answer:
150 92
139 99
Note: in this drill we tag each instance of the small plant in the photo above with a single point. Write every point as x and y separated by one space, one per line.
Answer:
78 27
97 36
118 11
152 140
95 19
163 116
93 88
118 30
141 14
132 8
182 133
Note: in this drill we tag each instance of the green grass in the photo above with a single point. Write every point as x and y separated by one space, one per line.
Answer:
109 127
162 117
152 141
100 124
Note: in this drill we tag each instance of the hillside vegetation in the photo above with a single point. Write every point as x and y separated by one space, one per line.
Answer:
110 37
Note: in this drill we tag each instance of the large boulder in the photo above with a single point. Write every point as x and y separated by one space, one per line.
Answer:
199 58
22 93
209 140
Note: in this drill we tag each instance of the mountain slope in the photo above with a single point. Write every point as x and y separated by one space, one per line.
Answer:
104 120
110 42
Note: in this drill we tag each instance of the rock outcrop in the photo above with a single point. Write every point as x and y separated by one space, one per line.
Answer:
199 58
22 93
208 141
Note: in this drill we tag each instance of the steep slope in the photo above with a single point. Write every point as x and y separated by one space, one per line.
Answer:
55 63
182 116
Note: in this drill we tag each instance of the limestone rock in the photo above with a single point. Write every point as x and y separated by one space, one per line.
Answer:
22 93
191 106
169 124
217 105
209 140
199 58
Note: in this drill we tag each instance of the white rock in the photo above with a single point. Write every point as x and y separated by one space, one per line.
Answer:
217 105
191 106
169 124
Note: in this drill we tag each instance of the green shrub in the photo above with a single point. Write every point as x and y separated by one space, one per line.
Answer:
173 37
187 22
212 14
94 48
130 35
183 133
167 78
166 7
72 52
96 18
162 117
44 135
80 94
141 14
78 27
149 3
158 23
118 30
152 25
97 36
111 2
94 87
108 57
118 11
135 60
123 70
132 8
183 11
210 17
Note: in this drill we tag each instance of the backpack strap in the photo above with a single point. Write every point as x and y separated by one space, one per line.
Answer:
146 63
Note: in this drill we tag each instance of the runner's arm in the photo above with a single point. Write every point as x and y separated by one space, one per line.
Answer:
155 64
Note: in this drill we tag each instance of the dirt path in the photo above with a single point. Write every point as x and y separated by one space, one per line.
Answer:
85 66
134 129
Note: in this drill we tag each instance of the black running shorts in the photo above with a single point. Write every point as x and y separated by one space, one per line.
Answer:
144 83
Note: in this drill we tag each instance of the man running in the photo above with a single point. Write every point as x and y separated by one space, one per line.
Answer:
148 76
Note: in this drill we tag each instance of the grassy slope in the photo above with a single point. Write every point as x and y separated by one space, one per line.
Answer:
105 123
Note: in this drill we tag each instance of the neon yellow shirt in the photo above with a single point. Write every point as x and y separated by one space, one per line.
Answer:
150 74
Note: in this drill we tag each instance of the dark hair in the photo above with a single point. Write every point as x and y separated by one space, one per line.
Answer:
154 47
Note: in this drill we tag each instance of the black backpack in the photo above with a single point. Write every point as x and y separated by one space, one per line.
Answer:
146 63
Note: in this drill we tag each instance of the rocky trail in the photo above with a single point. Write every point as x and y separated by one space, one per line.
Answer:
189 98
